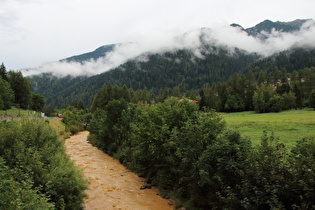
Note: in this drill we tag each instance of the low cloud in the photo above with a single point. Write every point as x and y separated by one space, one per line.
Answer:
230 37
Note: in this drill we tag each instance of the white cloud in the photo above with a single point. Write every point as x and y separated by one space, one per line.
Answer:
37 31
227 36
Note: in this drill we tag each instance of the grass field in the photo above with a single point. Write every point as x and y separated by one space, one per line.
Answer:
288 126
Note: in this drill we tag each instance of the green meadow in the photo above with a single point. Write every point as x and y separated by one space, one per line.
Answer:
287 126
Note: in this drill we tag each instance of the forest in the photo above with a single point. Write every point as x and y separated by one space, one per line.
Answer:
180 68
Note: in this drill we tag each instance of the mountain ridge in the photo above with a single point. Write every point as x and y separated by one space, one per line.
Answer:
255 31
182 67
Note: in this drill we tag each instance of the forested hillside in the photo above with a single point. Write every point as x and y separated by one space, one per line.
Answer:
181 69
187 69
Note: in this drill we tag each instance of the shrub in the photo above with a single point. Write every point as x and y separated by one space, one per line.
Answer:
18 191
33 146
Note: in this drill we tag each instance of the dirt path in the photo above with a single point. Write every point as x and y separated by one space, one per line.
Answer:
112 186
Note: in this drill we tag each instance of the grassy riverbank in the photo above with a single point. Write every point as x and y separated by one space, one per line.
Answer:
59 127
288 126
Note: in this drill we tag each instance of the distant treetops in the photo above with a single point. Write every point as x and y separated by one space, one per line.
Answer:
16 91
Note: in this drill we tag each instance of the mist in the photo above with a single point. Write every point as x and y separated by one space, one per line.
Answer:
161 42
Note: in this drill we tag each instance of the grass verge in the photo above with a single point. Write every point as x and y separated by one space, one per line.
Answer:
59 127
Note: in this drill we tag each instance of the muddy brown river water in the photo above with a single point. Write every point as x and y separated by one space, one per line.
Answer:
112 186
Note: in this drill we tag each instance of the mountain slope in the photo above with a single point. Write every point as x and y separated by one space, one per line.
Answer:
182 67
98 53
268 26
168 70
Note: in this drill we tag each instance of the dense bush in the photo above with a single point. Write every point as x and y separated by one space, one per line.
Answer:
44 169
193 157
75 119
18 191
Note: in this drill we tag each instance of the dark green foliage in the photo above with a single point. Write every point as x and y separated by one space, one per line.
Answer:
111 127
33 148
312 99
276 103
37 102
180 69
22 89
183 70
291 60
78 104
54 89
302 161
108 93
75 119
221 169
193 157
3 72
18 191
49 111
244 92
6 95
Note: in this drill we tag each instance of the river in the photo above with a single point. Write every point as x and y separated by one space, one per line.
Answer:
111 185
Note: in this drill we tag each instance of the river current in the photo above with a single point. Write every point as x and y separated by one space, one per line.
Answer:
111 185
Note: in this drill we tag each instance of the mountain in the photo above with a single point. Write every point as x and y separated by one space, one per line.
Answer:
96 54
167 70
187 68
267 26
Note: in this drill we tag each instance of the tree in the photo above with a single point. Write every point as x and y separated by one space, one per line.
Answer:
176 92
261 98
162 95
3 72
261 78
289 100
276 103
6 95
298 94
284 76
38 102
249 83
21 88
77 104
312 99
49 110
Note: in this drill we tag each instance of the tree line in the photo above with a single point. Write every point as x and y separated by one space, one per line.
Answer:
264 92
16 91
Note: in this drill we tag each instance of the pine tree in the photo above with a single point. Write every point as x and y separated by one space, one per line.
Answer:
3 72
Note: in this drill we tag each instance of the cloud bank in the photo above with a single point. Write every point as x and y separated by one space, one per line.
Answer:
227 36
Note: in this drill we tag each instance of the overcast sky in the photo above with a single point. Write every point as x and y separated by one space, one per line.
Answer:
33 32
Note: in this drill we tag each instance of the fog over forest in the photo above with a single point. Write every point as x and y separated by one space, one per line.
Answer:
194 40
